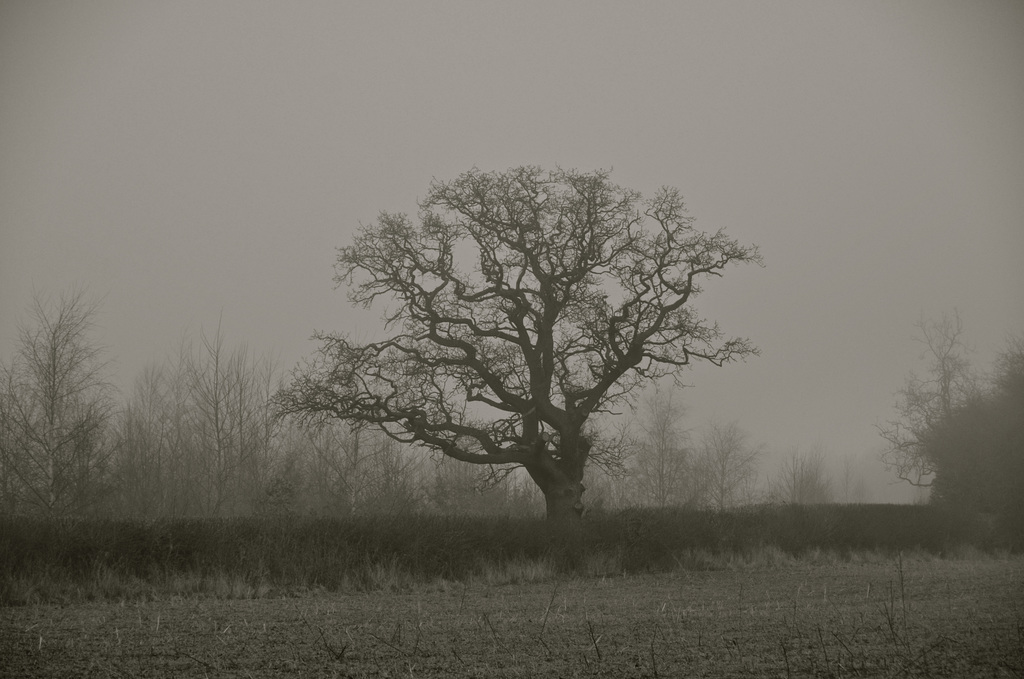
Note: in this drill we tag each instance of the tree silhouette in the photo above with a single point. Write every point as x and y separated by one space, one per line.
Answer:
925 402
55 407
524 303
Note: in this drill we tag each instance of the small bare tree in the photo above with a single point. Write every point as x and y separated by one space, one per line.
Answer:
803 479
341 470
232 424
728 463
454 488
198 436
664 472
394 478
55 410
143 467
852 486
924 402
334 463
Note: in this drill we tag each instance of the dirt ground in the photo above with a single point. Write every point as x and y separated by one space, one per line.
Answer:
918 617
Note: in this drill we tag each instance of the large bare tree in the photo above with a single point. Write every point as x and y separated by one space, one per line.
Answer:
523 303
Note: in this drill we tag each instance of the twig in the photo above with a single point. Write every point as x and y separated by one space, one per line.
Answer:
416 643
903 592
387 643
396 636
496 639
843 644
547 609
654 658
201 661
824 651
594 639
338 655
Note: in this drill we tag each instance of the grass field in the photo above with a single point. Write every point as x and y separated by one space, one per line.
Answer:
821 615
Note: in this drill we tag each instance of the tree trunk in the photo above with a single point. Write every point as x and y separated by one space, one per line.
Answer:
561 481
564 502
563 498
563 492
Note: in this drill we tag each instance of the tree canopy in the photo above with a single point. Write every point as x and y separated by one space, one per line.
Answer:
520 305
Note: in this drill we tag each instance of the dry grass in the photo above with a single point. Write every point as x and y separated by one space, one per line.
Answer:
912 615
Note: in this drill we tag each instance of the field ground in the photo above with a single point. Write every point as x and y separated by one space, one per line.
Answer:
829 617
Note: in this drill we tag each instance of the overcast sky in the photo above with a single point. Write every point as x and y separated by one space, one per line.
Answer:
194 161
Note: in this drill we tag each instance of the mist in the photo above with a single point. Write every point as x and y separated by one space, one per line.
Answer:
195 166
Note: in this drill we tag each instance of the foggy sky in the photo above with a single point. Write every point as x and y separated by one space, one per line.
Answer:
191 163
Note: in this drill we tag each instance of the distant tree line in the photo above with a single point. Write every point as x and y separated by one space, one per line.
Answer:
717 466
198 436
